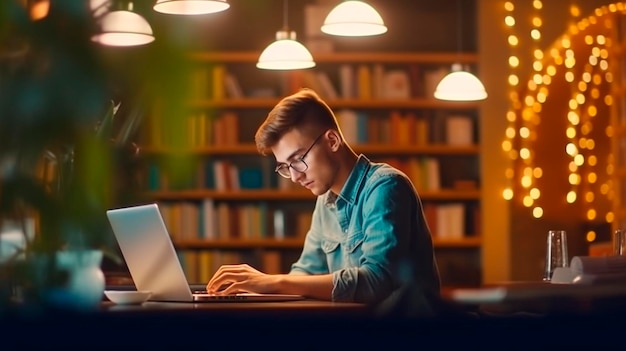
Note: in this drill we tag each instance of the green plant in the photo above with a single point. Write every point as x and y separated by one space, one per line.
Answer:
59 147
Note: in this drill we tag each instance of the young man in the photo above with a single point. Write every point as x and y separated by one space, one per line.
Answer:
368 237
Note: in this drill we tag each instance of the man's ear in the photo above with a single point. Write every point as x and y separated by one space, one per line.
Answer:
334 139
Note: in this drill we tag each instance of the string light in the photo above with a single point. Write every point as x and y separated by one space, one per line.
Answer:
513 82
587 71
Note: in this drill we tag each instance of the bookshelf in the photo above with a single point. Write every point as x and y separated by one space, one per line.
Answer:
269 216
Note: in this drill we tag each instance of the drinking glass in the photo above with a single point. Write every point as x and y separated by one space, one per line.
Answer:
556 253
619 243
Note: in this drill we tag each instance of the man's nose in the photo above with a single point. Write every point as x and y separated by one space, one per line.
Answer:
295 175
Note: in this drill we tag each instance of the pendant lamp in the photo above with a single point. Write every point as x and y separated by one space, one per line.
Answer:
124 28
286 53
460 84
190 7
353 19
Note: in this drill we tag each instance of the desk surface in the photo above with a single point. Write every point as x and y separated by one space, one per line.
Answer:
302 307
543 297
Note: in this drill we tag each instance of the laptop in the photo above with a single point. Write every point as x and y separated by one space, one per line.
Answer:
153 263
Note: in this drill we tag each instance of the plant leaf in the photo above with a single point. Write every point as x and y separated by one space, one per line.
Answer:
106 125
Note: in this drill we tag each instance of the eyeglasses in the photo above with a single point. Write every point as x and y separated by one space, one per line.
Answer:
298 165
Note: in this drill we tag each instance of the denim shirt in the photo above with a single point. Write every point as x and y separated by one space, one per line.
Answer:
372 237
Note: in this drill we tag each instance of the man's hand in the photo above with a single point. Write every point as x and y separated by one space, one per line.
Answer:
230 279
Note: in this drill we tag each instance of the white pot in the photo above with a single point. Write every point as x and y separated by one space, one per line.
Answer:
85 283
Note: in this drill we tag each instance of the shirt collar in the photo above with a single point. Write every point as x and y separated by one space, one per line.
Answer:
352 187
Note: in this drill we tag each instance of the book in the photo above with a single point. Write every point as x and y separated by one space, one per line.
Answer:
233 88
271 262
219 73
348 123
279 224
364 82
459 130
346 80
327 89
209 220
450 220
396 84
432 77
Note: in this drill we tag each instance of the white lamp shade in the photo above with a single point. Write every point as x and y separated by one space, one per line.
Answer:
285 54
355 19
460 85
190 7
124 28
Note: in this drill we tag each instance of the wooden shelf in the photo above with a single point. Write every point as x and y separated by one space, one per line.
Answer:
268 103
280 195
297 243
370 149
339 57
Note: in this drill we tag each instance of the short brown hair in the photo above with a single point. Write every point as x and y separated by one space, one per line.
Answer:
304 110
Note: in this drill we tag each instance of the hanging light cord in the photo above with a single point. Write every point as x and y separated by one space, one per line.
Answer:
285 12
459 28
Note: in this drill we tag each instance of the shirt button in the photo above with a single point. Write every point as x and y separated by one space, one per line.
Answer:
345 231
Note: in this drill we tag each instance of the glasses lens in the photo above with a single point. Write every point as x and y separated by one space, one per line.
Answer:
284 172
299 166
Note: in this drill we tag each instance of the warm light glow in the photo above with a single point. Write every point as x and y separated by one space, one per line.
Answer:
460 85
507 194
39 9
286 53
509 173
526 181
524 153
353 19
571 149
528 201
610 217
592 177
123 28
506 145
524 132
574 179
571 197
535 193
579 160
591 214
190 7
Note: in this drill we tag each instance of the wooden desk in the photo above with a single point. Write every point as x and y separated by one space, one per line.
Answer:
543 298
310 308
